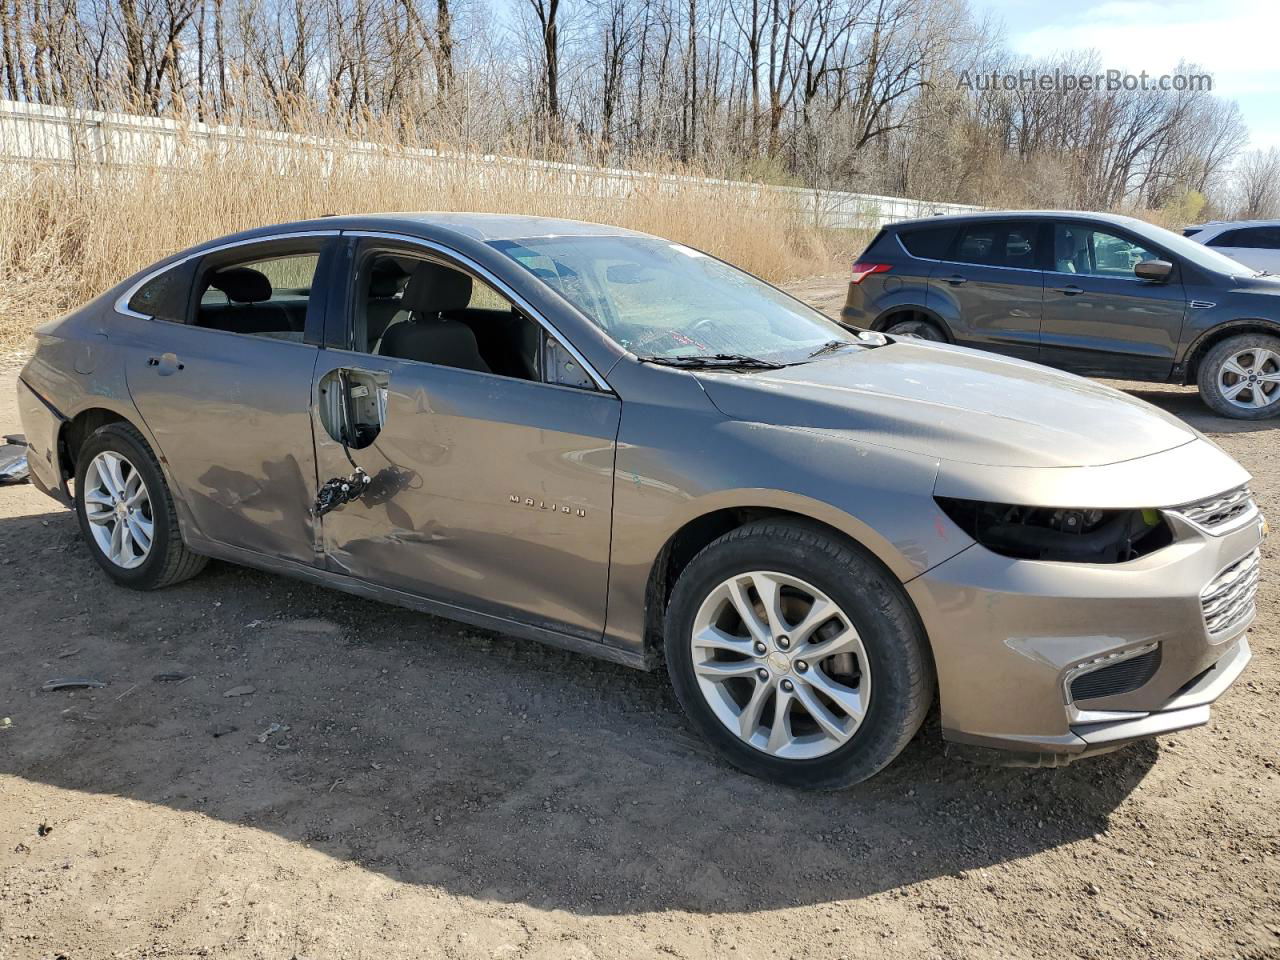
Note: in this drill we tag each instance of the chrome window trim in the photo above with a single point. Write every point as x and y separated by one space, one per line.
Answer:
122 301
990 266
498 284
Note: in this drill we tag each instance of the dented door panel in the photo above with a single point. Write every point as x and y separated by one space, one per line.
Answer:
230 416
488 492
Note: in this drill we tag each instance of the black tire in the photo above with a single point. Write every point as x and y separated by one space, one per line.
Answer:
1209 376
871 597
169 560
918 329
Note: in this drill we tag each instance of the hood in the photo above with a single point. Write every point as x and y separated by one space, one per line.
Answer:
953 404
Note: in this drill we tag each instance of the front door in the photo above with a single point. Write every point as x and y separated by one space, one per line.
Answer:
224 389
1099 318
991 287
491 472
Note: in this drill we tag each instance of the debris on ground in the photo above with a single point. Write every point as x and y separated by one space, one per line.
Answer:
69 653
172 678
6 723
71 683
271 731
43 830
13 460
242 691
222 729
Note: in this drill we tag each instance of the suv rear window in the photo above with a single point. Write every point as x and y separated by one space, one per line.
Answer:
999 244
930 243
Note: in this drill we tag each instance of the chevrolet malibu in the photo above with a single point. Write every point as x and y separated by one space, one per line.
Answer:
614 443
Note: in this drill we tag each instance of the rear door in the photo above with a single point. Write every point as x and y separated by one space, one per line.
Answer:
991 286
1099 318
224 388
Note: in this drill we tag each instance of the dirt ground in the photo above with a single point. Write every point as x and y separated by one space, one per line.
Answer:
436 791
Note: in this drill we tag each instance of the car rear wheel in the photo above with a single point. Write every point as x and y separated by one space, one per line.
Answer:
797 656
917 329
126 512
1240 377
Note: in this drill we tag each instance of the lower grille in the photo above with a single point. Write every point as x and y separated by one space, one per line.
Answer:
1228 600
1123 677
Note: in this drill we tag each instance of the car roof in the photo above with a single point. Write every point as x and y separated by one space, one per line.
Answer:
484 227
951 218
1221 225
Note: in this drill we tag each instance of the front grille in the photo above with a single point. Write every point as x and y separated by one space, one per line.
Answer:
1123 677
1229 598
1219 511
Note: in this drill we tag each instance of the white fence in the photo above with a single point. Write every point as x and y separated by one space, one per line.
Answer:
35 133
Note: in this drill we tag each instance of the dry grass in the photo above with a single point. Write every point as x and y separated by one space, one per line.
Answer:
69 232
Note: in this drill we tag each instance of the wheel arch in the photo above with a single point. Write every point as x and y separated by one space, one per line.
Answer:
1216 334
698 532
914 312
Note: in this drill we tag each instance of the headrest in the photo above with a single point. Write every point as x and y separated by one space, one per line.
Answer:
434 288
385 278
1066 245
242 285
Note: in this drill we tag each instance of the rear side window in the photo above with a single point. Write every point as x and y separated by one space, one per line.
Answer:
1253 238
931 243
999 244
264 297
164 297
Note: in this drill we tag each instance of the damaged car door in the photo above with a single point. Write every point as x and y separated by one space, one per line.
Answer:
471 457
219 356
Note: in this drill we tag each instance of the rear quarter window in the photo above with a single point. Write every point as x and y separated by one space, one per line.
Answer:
165 296
931 243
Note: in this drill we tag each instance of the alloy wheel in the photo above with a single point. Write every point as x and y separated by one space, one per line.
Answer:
1250 379
780 665
118 508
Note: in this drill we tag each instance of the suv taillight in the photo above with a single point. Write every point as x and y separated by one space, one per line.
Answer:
862 270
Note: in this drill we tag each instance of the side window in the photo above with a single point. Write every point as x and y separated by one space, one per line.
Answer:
1007 244
930 243
416 309
263 297
164 297
1088 251
1253 238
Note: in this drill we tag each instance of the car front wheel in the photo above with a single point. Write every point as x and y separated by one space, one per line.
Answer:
126 512
917 330
1240 377
797 656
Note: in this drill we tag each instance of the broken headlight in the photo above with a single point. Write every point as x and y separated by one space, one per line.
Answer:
1060 533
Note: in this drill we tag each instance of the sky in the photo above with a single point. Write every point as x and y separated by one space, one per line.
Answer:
1237 41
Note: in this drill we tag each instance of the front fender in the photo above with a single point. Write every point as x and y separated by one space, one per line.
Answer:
880 497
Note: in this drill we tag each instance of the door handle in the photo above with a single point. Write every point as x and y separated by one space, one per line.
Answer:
955 279
1070 290
165 364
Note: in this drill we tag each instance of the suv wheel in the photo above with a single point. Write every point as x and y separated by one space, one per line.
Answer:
797 656
1240 377
919 329
126 512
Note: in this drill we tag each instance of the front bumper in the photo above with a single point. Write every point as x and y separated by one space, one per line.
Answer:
1009 636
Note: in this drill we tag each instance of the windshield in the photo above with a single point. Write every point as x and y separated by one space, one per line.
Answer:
663 300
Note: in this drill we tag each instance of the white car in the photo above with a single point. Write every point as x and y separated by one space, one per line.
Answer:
1255 243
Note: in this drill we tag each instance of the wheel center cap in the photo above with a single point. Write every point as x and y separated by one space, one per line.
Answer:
779 663
121 511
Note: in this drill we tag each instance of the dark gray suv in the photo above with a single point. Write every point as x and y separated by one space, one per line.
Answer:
1091 293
